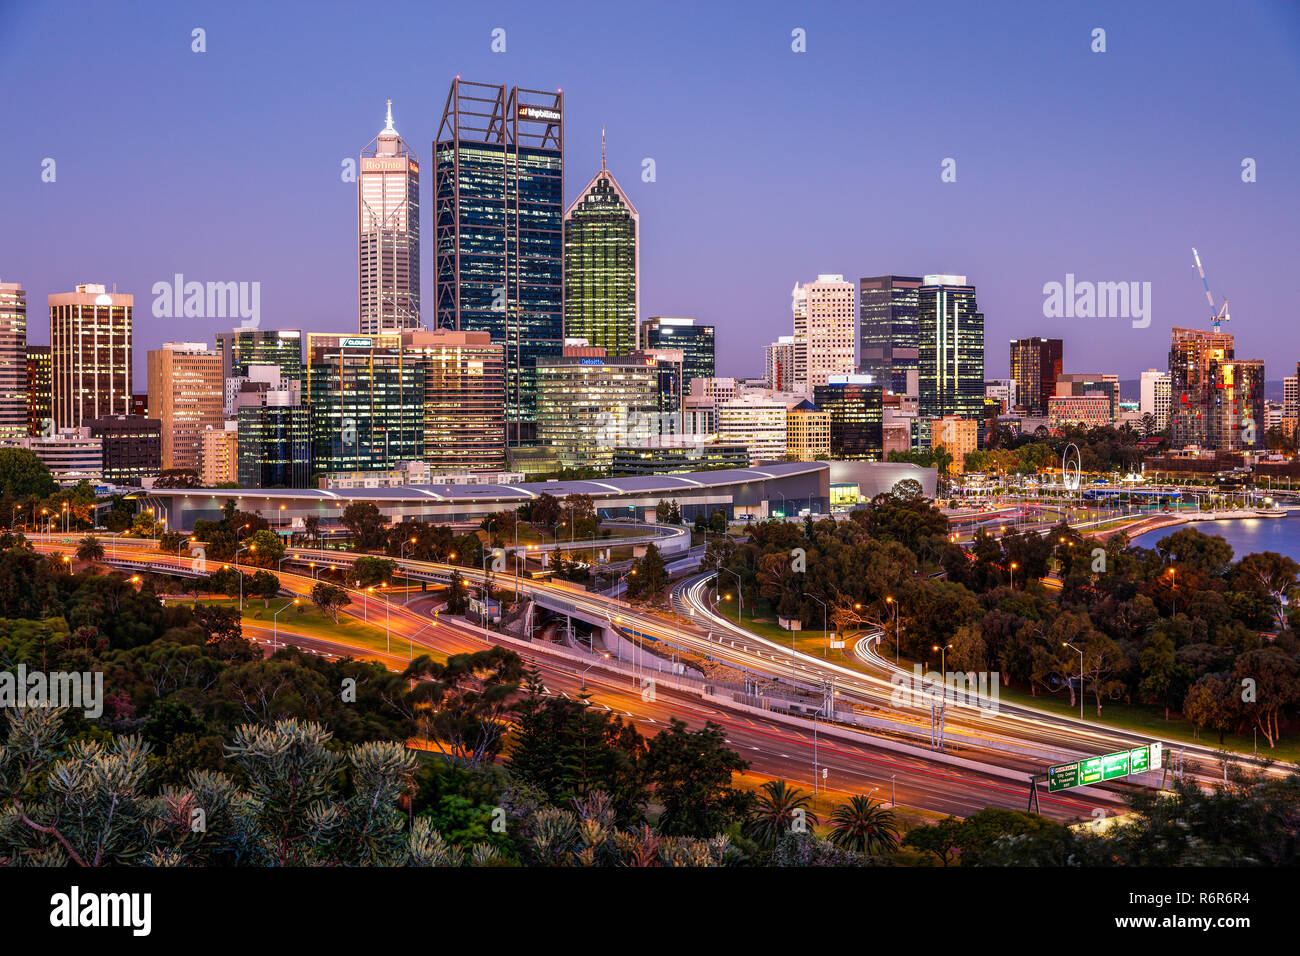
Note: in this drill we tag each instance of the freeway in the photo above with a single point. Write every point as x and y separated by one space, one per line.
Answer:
776 747
1015 737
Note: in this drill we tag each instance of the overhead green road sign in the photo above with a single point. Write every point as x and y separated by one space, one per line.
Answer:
1122 763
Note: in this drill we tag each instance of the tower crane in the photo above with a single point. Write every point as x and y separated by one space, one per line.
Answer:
1217 315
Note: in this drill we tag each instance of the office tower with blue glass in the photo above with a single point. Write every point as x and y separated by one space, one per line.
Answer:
887 331
498 196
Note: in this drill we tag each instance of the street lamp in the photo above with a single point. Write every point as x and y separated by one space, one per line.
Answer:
1173 592
740 598
250 548
890 600
1013 575
275 624
401 554
1080 653
605 655
943 658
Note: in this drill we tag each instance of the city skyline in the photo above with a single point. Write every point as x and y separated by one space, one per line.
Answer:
1096 212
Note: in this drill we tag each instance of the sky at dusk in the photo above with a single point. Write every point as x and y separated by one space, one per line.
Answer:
771 166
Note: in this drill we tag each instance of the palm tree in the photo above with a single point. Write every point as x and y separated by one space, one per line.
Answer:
89 549
864 826
780 809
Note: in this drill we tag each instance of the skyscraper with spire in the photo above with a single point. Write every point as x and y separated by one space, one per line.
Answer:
388 234
602 264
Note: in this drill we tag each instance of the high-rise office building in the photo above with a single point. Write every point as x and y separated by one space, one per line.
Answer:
602 265
950 348
588 404
757 421
185 394
40 413
13 361
464 399
388 234
90 355
825 327
273 435
695 339
1036 363
366 399
1153 397
887 331
1193 353
807 432
244 347
131 448
498 197
855 406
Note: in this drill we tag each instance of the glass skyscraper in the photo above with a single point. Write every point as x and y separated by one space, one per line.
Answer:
499 224
602 266
950 347
366 399
1036 364
695 339
888 330
388 234
855 406
244 347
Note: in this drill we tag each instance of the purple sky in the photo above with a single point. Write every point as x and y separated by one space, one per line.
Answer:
772 166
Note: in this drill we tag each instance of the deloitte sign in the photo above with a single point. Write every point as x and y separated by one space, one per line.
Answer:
1080 773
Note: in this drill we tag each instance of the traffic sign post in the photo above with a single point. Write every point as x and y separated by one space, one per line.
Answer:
1112 766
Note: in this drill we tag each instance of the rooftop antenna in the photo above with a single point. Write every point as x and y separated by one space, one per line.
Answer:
602 147
388 126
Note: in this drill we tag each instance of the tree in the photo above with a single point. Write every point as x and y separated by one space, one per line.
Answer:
265 585
649 575
265 548
464 703
1164 680
691 774
1268 678
24 475
779 809
457 595
1210 703
367 571
570 750
1273 576
940 839
366 524
329 599
864 826
89 549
